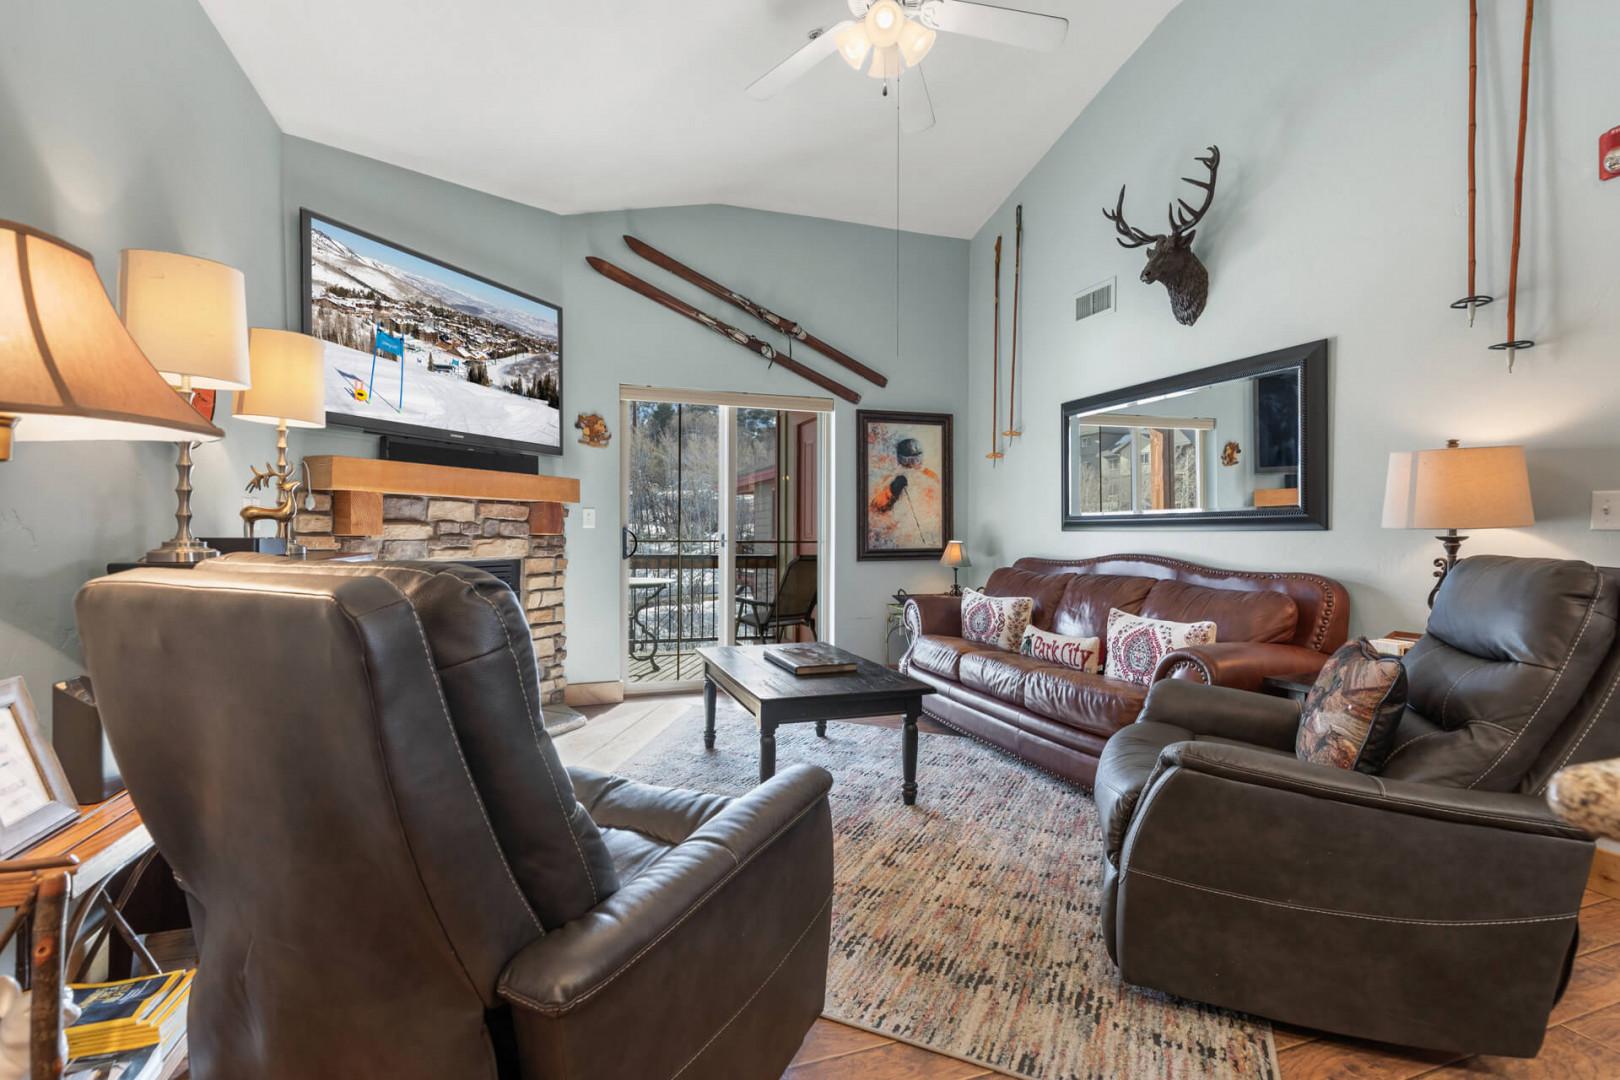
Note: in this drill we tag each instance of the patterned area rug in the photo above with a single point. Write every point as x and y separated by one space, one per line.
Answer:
968 923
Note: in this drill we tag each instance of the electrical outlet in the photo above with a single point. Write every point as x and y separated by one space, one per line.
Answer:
587 517
1606 509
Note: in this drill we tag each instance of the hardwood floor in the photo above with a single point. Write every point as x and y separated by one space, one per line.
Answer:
1583 1042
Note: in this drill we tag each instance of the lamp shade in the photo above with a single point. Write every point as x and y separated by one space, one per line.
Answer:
188 315
955 555
287 380
68 368
1472 487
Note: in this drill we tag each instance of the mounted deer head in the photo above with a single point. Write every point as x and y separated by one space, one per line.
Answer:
1171 259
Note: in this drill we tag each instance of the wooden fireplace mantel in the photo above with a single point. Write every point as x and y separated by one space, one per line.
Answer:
329 473
358 485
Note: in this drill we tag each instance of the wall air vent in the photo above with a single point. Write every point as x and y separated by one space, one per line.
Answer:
1095 300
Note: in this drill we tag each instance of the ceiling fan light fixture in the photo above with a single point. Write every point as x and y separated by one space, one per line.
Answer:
915 41
886 63
884 22
853 44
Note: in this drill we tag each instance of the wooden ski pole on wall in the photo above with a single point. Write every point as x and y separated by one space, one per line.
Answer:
995 362
1474 300
1012 431
731 333
1513 344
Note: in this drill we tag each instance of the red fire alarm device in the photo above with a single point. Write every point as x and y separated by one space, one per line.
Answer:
1609 154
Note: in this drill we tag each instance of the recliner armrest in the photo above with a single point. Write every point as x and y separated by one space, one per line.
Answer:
666 814
937 615
752 884
1220 711
1242 665
1497 809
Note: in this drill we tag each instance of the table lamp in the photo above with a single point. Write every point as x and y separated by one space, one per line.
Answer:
1474 487
69 370
189 317
288 391
955 557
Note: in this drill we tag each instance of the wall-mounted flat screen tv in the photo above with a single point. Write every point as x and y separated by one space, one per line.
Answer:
418 347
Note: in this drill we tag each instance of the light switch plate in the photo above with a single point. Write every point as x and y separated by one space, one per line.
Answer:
1606 509
587 516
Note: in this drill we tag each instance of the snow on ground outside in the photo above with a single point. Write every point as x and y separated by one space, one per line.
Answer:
443 400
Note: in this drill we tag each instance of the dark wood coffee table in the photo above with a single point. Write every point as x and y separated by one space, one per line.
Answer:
775 697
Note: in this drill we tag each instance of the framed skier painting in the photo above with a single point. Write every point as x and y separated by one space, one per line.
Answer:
903 482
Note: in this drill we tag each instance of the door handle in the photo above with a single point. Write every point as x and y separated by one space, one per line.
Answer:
629 542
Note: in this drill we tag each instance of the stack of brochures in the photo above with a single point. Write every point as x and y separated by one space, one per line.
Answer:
122 1018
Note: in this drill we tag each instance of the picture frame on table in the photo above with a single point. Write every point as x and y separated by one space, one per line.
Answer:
35 797
903 484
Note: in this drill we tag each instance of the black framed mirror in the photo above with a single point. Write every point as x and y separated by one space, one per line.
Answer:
1242 444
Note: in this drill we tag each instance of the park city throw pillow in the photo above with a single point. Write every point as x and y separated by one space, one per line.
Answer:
1079 653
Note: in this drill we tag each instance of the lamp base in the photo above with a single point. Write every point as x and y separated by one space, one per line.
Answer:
182 549
6 424
179 553
1452 543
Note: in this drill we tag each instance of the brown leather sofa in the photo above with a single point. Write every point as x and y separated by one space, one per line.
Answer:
1059 718
390 874
1434 904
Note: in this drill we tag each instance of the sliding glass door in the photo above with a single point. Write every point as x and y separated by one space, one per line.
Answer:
719 543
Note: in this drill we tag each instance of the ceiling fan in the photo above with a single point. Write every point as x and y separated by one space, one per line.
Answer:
896 34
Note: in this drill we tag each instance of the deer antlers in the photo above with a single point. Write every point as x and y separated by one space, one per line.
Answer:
1183 218
268 474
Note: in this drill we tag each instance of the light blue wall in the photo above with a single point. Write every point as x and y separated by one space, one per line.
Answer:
837 279
124 125
1340 214
130 125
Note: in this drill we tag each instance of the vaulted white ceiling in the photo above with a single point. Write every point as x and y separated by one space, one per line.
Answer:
616 104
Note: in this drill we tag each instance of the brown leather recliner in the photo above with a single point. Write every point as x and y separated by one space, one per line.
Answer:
390 873
1432 905
1058 718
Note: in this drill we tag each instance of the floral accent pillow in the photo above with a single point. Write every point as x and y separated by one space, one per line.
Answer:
1351 714
1079 653
995 620
1136 645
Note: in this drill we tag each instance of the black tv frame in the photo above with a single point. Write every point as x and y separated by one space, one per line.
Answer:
416 431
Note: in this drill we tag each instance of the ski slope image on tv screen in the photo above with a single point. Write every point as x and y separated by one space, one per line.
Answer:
415 346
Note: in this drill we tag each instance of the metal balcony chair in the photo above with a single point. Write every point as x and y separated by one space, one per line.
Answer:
764 621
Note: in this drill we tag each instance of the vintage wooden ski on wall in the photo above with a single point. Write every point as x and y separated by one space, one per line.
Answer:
1012 431
995 360
740 337
765 315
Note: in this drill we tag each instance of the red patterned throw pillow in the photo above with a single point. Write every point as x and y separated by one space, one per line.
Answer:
995 620
1136 645
1079 653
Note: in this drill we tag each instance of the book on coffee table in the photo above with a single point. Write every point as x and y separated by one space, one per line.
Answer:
811 659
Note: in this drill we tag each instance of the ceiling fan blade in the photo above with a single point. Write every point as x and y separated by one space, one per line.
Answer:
916 108
814 52
1025 29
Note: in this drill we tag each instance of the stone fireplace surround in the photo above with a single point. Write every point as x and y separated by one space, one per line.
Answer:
411 525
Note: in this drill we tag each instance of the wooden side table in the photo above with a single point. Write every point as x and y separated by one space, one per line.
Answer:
107 837
53 902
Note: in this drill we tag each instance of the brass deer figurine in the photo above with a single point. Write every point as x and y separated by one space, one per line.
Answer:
287 489
1171 259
